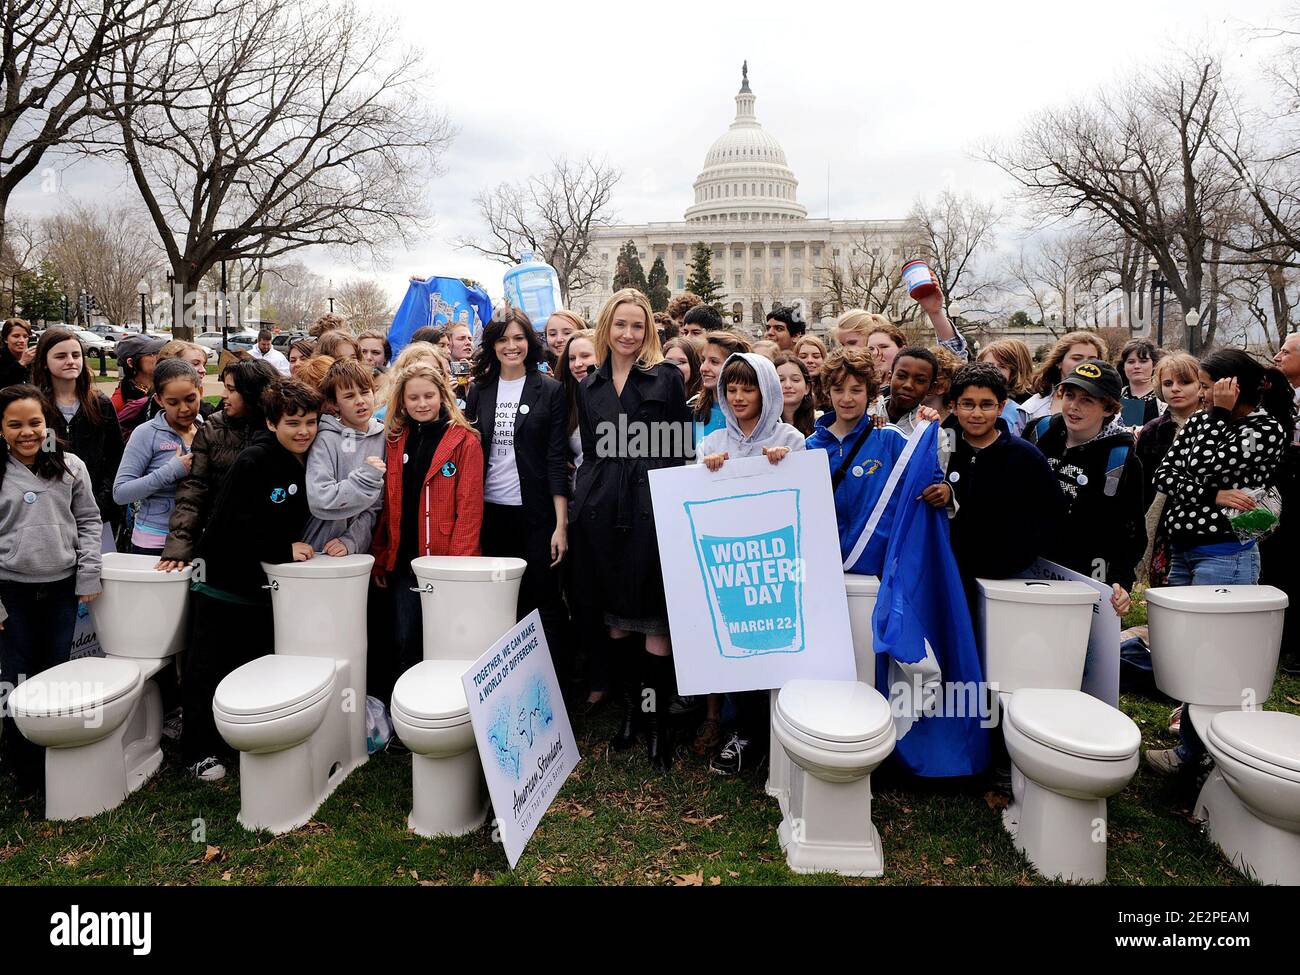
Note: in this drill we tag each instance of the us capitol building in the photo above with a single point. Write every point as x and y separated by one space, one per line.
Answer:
766 251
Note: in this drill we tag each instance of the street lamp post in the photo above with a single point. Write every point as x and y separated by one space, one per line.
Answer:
65 309
1194 331
143 289
1158 281
225 320
331 296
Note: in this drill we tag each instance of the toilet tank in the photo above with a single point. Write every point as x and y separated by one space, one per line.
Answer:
467 602
141 613
862 591
1034 632
1215 645
320 606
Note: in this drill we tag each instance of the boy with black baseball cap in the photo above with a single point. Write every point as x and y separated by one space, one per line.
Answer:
1091 452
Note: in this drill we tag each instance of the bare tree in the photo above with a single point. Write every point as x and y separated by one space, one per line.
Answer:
956 232
363 302
292 295
1056 273
553 215
276 126
50 50
869 278
1141 158
106 252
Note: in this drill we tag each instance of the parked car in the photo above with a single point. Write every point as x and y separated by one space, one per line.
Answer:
282 341
242 341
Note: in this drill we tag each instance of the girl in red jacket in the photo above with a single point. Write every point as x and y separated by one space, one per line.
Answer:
433 493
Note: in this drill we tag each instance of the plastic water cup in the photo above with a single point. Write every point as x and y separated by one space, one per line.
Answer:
918 280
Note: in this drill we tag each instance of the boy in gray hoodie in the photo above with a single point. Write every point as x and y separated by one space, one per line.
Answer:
749 395
345 468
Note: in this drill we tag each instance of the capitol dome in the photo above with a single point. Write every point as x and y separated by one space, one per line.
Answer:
745 176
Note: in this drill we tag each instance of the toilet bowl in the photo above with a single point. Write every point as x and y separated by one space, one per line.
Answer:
467 603
298 716
100 718
1069 753
861 591
1251 802
1216 648
834 734
431 717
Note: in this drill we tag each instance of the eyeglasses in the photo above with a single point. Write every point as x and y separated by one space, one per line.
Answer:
968 406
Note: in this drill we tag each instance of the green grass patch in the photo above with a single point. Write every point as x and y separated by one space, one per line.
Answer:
615 822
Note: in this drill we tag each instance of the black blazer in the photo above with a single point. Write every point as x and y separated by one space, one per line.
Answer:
541 440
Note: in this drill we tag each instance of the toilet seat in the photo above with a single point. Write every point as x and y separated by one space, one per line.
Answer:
274 686
85 684
1073 723
1268 741
838 716
432 694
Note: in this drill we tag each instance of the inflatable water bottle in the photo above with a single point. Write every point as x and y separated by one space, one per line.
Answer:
533 287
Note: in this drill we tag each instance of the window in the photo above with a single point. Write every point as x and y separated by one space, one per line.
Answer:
817 278
757 250
679 253
797 252
604 256
777 250
816 252
835 253
776 278
796 278
737 253
758 316
758 277
736 280
681 282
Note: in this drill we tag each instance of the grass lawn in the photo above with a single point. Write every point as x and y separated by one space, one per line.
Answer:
616 822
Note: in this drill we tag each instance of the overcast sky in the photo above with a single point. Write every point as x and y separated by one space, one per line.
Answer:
893 97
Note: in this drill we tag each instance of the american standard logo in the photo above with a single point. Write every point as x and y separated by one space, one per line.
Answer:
113 929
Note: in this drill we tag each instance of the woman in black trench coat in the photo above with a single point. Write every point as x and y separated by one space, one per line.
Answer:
611 518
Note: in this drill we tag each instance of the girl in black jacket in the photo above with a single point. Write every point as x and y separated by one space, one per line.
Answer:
632 399
87 422
520 416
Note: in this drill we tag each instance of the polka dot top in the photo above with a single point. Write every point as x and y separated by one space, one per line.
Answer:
1214 453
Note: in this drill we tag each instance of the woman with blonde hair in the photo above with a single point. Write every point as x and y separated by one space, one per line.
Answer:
312 372
633 391
1068 352
1013 359
812 352
559 328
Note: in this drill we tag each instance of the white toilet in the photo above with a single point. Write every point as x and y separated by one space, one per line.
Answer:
835 734
1069 751
298 716
1215 648
100 718
467 603
861 591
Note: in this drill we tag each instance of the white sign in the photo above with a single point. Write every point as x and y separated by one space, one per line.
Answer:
524 738
1101 670
752 573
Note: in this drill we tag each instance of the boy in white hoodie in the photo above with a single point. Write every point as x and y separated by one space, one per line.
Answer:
749 395
345 468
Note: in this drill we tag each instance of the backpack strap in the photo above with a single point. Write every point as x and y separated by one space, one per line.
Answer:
1040 427
1115 469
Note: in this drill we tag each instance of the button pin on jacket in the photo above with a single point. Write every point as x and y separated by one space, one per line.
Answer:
955 476
523 407
448 469
30 497
1082 479
405 458
293 489
857 471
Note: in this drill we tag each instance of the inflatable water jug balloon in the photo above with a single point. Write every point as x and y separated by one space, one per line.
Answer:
533 287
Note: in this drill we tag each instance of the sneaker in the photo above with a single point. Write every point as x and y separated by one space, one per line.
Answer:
1165 761
732 759
209 770
1175 719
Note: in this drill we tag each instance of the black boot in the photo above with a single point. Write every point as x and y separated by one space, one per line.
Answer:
623 667
659 740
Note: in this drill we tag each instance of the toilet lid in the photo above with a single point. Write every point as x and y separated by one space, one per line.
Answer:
1260 738
433 691
128 567
322 567
834 710
78 685
273 683
1074 722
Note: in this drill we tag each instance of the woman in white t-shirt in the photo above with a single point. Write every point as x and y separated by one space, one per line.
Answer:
521 416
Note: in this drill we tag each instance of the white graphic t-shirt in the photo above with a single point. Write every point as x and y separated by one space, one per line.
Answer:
502 485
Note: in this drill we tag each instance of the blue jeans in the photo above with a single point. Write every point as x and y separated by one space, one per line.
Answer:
1187 567
37 636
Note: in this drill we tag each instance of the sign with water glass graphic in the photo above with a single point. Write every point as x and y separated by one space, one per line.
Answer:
752 573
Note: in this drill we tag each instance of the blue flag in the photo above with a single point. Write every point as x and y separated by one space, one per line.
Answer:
437 301
923 634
